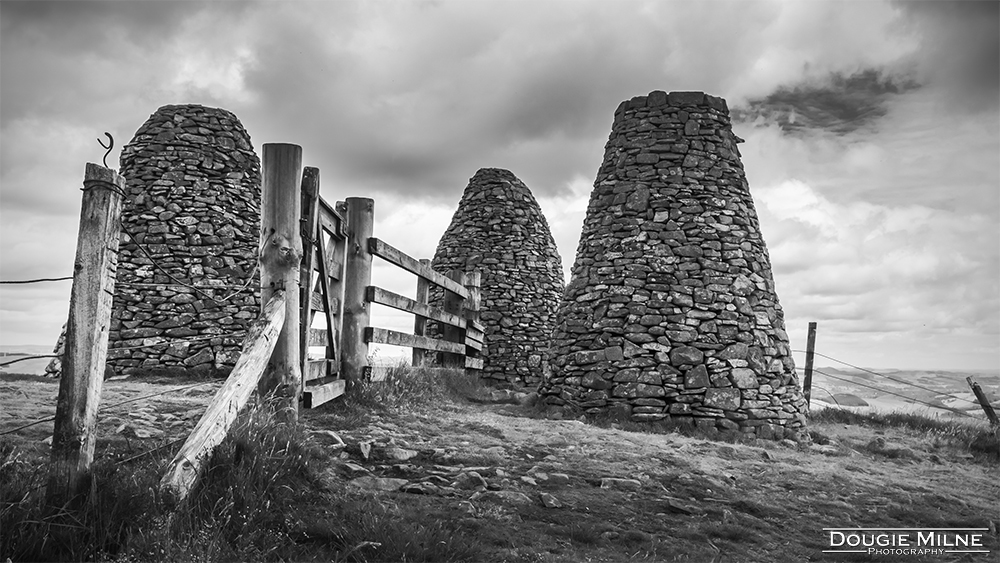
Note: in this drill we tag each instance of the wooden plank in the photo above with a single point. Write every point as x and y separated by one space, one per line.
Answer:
396 301
327 222
335 218
334 268
454 303
328 305
394 256
281 212
318 337
318 304
477 346
258 346
315 395
315 369
475 334
86 352
476 325
473 363
310 250
385 336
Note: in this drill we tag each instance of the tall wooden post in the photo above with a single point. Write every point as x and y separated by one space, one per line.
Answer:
453 303
281 210
357 277
86 350
810 352
420 323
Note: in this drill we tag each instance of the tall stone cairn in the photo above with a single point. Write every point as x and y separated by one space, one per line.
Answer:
671 311
191 218
499 230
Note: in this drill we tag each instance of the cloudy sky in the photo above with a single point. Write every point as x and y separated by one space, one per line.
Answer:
872 132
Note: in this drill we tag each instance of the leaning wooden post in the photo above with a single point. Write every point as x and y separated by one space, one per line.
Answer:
86 350
357 277
281 210
983 401
453 303
420 323
229 400
810 352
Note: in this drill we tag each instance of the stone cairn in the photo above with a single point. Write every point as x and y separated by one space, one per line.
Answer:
187 285
671 311
499 230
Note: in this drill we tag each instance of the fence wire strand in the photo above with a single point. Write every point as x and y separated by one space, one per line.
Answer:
904 382
954 410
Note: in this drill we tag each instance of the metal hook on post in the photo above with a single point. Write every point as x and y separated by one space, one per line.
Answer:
109 146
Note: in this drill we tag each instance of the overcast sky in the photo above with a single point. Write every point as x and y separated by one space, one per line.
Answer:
872 133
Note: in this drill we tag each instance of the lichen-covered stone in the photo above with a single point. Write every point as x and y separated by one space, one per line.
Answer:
672 270
499 230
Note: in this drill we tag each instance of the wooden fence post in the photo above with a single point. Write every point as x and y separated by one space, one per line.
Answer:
453 303
357 278
281 211
420 323
309 220
86 350
810 352
473 282
983 401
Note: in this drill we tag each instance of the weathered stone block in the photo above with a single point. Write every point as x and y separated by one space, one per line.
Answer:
725 399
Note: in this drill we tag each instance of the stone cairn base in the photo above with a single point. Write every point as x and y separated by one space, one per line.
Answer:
671 311
499 230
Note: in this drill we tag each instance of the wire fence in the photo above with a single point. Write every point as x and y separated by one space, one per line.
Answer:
937 392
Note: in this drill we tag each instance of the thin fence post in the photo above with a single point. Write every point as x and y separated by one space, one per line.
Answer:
810 352
453 303
281 212
86 352
470 308
309 220
420 323
357 278
983 401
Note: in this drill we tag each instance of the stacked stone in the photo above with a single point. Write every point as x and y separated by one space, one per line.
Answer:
190 230
671 311
499 230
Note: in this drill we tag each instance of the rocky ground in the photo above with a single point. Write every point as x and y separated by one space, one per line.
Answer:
528 488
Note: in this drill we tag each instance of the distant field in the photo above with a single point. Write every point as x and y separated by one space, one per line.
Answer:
35 367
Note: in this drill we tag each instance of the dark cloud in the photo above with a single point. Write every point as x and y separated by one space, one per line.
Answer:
838 104
960 49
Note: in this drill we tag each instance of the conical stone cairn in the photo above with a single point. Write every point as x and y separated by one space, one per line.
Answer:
499 230
187 286
671 311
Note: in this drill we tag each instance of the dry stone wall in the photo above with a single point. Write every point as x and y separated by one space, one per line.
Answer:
191 216
671 311
499 230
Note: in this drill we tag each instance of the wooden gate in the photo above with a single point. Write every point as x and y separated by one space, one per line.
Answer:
324 236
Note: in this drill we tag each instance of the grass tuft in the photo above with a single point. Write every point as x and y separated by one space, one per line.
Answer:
972 436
